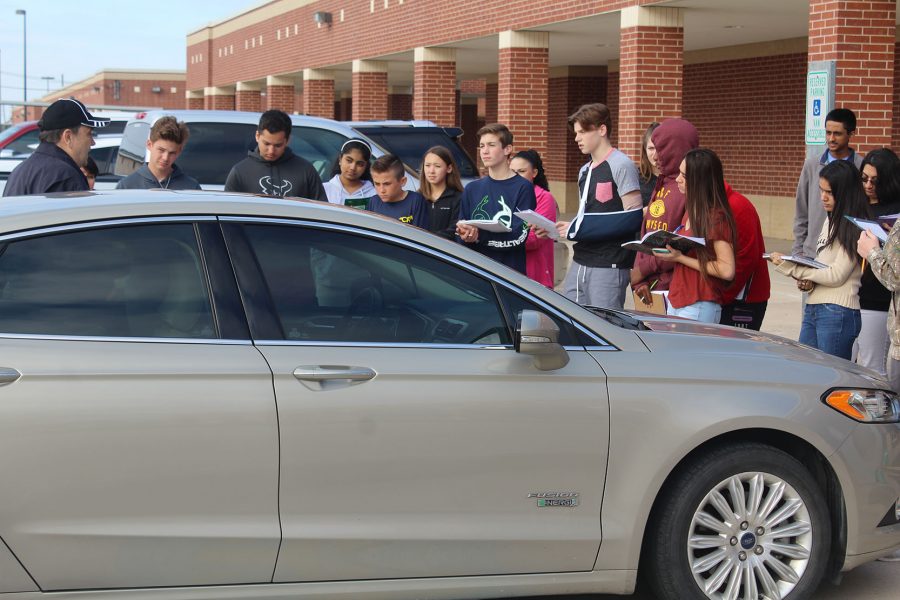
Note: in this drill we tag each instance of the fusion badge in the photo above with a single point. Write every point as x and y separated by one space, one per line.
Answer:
555 499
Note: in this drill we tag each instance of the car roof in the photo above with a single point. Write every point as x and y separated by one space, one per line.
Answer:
390 123
23 213
237 116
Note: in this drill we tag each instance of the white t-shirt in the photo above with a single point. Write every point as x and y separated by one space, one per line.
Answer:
337 194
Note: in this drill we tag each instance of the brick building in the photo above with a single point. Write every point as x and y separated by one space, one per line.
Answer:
737 69
119 87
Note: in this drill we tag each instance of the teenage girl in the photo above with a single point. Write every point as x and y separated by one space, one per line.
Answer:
351 179
441 186
700 275
831 319
538 251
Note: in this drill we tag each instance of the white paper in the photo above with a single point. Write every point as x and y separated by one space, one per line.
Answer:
486 225
874 228
539 221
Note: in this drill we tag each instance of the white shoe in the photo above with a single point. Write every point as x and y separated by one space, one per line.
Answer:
895 557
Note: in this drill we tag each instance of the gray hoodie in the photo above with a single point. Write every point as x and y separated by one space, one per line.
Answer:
290 175
143 179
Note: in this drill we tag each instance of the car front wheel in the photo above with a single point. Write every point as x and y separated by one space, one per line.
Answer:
743 522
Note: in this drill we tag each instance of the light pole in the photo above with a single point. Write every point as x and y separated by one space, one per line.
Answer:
48 79
21 11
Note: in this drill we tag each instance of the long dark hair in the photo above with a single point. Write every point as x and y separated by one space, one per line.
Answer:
453 180
534 159
354 144
887 169
849 200
706 202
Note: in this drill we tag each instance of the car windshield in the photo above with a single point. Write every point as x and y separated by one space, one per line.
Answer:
410 144
214 147
12 131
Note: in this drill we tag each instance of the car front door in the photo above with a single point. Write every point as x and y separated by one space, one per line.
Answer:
138 436
415 442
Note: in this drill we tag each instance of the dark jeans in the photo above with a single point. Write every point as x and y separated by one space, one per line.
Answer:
831 328
747 315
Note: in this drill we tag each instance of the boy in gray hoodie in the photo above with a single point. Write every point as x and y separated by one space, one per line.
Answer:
272 168
167 139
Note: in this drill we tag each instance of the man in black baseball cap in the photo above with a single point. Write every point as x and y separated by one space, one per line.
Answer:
66 134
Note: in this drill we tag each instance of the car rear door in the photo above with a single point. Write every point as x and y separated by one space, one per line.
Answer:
138 436
415 441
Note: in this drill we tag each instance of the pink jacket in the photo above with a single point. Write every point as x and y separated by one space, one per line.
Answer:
539 252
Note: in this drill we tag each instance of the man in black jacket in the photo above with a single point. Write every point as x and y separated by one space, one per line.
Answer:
66 134
273 169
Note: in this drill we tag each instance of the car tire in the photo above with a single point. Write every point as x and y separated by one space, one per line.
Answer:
773 542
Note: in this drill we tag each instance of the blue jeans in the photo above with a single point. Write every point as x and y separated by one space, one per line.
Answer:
831 328
705 312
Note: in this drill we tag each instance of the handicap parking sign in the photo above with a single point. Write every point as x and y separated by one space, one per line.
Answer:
817 107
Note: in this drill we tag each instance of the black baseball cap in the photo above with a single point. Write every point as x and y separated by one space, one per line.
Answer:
67 113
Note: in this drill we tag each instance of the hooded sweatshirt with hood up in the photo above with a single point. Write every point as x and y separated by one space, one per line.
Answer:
288 176
673 139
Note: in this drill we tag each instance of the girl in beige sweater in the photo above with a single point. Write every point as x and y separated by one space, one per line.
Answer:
831 319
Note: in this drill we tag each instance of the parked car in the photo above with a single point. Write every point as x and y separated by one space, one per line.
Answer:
411 139
221 138
208 395
21 139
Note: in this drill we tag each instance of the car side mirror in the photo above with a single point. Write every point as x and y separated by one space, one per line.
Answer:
538 336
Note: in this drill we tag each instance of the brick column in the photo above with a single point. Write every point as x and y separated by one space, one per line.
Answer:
651 64
370 90
247 97
434 85
400 103
218 98
318 93
490 99
522 87
194 99
569 88
280 93
859 37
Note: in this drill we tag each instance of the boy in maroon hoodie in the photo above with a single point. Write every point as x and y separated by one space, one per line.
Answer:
673 138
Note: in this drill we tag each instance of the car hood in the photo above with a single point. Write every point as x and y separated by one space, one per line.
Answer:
673 334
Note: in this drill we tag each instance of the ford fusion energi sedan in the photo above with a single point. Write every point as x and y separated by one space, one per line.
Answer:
208 396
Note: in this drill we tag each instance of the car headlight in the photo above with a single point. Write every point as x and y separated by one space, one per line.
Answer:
865 406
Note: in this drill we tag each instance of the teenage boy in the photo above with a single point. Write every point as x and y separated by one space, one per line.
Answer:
389 177
272 168
497 197
601 269
167 139
66 135
809 216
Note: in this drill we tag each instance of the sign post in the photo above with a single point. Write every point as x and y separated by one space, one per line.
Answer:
819 101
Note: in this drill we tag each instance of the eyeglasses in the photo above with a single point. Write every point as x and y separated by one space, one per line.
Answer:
867 180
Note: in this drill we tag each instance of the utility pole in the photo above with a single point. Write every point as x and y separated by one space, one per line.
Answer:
21 11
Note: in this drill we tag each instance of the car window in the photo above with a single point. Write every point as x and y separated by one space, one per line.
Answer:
337 287
318 146
26 144
411 143
129 281
105 159
214 148
515 304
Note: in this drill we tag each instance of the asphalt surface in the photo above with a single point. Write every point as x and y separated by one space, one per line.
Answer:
873 581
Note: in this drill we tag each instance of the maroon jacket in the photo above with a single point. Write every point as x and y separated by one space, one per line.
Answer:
749 265
673 138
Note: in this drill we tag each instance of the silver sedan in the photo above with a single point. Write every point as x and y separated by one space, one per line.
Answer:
206 396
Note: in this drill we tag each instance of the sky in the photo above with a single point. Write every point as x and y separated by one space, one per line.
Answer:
74 40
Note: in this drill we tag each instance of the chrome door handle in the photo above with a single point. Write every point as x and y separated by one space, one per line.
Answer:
325 377
8 375
331 372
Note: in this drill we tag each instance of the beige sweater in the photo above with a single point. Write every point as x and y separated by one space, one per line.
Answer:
838 284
